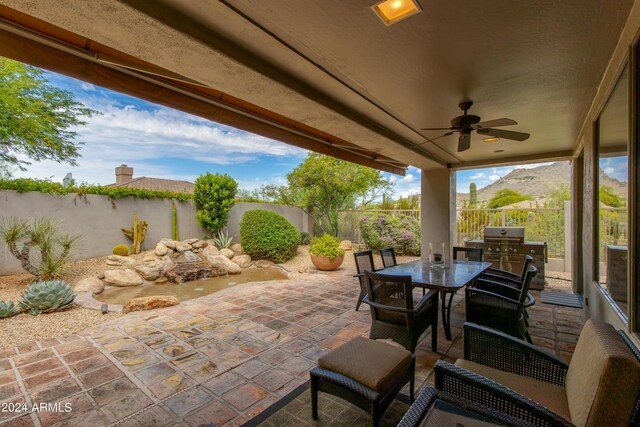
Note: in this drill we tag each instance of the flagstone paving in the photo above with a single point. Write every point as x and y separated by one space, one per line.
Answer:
222 358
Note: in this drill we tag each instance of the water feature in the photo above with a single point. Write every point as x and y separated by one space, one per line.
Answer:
194 289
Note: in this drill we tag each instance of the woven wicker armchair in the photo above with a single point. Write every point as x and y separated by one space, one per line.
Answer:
601 386
394 314
500 306
388 256
497 274
364 261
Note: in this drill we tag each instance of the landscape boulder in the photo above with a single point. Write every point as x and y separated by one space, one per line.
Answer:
120 261
171 244
187 257
346 245
237 249
199 244
193 271
150 303
182 247
123 278
209 251
227 253
190 241
222 262
243 261
150 269
161 249
90 284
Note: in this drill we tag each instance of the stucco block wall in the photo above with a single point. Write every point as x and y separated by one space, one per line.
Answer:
100 220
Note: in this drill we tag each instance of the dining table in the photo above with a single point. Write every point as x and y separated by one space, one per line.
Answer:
447 277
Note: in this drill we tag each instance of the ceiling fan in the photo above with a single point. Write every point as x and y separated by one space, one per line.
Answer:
468 123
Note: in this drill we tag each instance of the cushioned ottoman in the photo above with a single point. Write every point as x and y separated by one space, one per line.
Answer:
364 372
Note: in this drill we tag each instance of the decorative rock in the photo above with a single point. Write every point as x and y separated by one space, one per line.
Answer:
124 261
123 278
161 249
227 253
190 241
307 269
237 249
193 271
199 244
90 284
264 263
346 245
222 262
210 251
101 276
171 244
243 261
182 247
161 280
186 257
150 269
150 303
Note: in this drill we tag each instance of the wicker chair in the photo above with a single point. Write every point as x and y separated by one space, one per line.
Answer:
499 306
498 275
388 257
472 254
394 314
364 262
601 385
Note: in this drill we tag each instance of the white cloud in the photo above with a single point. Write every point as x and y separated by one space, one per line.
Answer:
477 176
409 178
494 177
609 171
87 86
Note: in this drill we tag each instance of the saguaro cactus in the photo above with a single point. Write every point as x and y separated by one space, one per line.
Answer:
136 234
473 195
174 222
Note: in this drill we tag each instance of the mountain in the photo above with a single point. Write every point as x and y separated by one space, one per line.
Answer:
539 182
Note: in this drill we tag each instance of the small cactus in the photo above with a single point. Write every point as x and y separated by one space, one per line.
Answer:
136 234
7 309
174 222
122 250
46 297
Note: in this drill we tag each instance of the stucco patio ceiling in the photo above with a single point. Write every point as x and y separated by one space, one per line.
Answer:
332 66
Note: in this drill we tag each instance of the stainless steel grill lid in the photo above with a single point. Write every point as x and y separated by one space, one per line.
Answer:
504 233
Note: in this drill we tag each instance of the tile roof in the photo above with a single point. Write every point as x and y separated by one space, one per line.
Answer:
158 184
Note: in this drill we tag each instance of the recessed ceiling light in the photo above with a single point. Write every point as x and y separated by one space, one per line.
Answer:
499 151
392 11
491 139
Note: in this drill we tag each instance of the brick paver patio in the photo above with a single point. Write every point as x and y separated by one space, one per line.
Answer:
221 359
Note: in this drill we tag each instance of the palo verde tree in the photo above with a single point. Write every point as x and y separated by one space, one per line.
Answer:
37 119
505 197
214 196
324 186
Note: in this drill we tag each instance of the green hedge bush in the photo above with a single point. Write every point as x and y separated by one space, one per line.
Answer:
326 245
213 195
400 232
268 235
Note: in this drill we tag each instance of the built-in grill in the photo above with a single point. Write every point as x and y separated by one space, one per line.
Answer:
506 248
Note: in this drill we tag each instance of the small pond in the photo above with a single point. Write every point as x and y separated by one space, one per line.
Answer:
190 290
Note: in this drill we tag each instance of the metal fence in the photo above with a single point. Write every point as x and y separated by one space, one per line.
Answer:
541 224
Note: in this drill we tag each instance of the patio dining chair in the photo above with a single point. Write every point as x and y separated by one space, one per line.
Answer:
388 257
395 316
499 306
364 262
599 387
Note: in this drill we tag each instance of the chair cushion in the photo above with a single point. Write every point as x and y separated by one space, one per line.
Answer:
603 380
374 364
550 396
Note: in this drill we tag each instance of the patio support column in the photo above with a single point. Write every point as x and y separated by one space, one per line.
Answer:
437 209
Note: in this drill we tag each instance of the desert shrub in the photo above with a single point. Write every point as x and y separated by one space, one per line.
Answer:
122 250
42 249
400 232
46 297
223 240
214 196
7 309
304 238
268 235
326 245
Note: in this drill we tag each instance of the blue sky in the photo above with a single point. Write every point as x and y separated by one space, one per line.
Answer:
164 143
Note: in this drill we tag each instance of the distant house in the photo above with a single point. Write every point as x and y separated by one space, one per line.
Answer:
124 178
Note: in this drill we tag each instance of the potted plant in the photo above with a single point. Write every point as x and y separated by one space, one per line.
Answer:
325 253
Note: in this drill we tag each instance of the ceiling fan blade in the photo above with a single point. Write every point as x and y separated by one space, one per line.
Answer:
464 141
506 134
494 123
449 128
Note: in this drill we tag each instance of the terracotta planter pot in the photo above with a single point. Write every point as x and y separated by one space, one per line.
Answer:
325 263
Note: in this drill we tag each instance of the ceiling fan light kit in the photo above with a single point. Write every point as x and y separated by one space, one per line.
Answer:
467 123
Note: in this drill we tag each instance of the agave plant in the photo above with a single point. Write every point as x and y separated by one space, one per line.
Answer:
223 240
7 309
46 297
